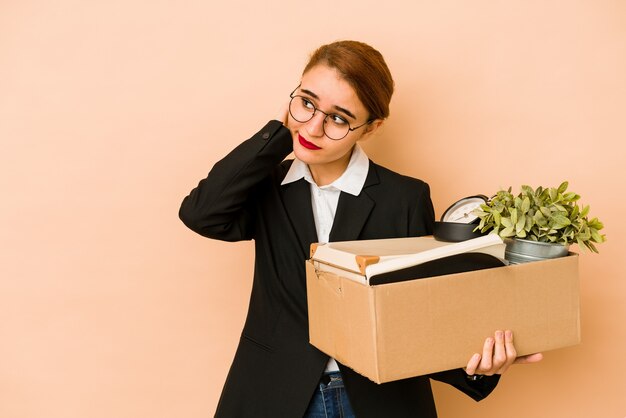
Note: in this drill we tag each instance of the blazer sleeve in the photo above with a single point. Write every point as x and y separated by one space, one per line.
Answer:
220 206
477 390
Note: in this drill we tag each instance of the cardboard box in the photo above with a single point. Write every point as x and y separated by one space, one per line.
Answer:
411 328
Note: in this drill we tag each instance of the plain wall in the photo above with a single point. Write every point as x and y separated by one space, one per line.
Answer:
110 112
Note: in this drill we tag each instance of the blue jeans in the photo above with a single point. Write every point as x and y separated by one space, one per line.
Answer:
330 399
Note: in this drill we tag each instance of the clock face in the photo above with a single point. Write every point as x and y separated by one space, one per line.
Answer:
461 211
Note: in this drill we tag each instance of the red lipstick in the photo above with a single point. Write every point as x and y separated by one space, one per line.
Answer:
306 144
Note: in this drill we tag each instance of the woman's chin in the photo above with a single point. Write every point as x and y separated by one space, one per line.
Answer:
303 154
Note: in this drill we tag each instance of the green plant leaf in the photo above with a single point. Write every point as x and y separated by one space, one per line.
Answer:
497 218
584 212
560 221
529 223
513 216
595 223
563 187
480 213
591 246
507 232
584 234
554 194
519 226
539 219
527 190
596 236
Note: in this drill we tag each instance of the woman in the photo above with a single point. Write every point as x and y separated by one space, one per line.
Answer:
330 192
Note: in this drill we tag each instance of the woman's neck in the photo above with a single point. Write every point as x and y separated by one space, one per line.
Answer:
324 174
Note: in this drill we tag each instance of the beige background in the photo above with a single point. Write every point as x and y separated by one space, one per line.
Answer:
110 112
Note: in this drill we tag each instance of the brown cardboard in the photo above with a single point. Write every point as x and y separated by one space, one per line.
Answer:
400 330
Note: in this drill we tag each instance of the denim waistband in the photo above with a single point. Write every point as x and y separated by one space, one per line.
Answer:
332 376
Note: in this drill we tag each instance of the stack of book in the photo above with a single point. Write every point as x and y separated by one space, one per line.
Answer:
391 260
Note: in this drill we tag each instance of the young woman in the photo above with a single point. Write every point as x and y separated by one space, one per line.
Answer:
331 191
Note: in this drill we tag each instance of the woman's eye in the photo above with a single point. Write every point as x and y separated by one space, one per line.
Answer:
307 103
338 120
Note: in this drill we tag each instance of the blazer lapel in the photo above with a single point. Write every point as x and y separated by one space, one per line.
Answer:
297 200
353 211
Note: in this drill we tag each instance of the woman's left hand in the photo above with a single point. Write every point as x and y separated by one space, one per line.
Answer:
498 354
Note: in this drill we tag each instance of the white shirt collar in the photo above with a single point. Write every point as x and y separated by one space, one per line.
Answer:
351 181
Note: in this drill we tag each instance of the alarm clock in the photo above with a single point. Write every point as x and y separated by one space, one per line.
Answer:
458 221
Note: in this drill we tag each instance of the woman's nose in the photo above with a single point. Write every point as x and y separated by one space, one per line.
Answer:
315 126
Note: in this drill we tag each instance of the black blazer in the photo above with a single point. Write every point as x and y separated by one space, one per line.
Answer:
276 371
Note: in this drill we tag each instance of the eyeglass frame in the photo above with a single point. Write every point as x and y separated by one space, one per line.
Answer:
315 109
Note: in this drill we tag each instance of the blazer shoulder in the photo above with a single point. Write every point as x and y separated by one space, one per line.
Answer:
391 179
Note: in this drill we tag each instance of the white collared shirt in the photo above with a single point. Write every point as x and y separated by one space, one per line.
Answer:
325 199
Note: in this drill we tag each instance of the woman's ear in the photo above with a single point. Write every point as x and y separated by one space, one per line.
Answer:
372 127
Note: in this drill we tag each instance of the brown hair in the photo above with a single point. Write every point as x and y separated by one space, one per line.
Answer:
364 68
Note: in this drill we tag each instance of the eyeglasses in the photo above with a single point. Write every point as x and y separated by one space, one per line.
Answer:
335 126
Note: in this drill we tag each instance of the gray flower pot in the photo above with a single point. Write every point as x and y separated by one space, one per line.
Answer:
523 250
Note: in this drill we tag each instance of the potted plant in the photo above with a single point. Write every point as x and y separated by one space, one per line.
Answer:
539 223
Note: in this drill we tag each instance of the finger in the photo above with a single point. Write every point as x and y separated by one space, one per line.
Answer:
472 364
511 352
499 352
508 344
531 358
486 359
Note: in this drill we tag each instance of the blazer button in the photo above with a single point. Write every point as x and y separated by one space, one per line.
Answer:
266 135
